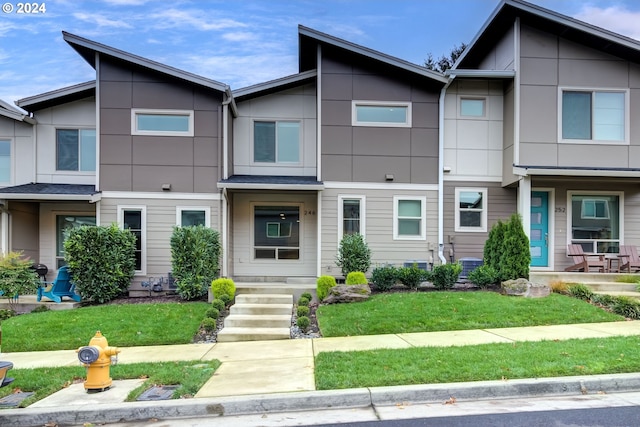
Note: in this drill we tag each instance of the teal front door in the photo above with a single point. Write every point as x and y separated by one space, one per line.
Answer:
539 233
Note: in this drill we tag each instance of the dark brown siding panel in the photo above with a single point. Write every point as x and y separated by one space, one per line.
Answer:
336 113
115 121
338 87
206 123
162 95
425 115
114 72
424 169
162 150
381 141
376 88
115 149
205 151
115 94
151 178
337 140
115 177
424 142
205 179
374 168
337 168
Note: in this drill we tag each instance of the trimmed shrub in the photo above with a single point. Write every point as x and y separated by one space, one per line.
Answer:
226 299
195 256
303 323
303 302
483 276
302 311
323 284
223 286
101 261
515 255
580 291
16 276
353 254
307 295
412 276
212 312
209 324
356 278
492 246
445 276
384 277
218 303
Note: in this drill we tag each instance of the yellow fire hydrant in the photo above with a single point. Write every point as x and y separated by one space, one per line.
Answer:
96 357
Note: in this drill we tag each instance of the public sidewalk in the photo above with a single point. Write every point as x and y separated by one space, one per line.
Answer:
263 376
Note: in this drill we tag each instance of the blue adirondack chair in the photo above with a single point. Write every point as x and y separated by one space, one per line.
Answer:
61 287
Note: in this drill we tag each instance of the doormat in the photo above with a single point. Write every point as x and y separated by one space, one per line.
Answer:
158 393
14 400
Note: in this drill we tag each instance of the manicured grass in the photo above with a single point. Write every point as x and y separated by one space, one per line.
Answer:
448 311
123 325
45 381
339 370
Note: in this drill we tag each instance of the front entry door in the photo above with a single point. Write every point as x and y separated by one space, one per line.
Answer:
539 233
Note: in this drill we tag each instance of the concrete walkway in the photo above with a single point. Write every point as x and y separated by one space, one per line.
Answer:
259 367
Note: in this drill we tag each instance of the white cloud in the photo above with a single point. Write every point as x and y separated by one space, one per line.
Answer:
194 19
239 36
126 2
100 20
615 18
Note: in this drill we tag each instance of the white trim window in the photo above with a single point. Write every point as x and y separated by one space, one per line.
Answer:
276 141
351 215
76 150
193 215
409 218
471 209
381 114
161 122
134 219
472 107
6 162
593 115
596 220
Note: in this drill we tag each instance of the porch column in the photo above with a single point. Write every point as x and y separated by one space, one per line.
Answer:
524 203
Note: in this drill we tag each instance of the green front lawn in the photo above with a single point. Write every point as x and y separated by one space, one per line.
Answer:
394 313
124 325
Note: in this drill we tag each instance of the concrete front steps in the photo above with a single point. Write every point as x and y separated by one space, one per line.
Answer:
258 317
600 283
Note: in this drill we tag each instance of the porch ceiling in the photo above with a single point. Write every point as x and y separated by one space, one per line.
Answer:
271 182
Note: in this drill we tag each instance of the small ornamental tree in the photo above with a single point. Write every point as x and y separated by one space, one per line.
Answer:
515 255
16 276
353 254
101 261
492 247
195 259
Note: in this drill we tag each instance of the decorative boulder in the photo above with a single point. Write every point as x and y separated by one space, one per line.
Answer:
524 288
347 293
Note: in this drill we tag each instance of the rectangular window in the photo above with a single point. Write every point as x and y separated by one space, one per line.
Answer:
276 142
63 224
382 114
596 221
5 161
594 115
471 209
351 215
76 150
276 232
472 107
162 122
409 218
134 220
188 216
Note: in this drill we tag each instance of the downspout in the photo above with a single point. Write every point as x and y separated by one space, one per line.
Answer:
443 92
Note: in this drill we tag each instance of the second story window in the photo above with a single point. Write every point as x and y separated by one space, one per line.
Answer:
276 142
162 122
5 161
76 150
381 114
593 115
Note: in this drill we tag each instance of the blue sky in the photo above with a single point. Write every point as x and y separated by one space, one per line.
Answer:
243 42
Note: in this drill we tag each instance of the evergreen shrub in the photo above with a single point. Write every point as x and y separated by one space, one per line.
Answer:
384 277
223 286
353 254
323 284
445 276
412 276
356 278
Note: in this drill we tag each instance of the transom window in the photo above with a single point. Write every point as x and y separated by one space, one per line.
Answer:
594 115
596 221
76 150
472 107
382 114
276 142
409 218
471 209
276 232
351 215
5 161
162 122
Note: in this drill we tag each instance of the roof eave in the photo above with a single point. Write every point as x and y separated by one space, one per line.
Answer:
274 84
57 197
267 186
55 94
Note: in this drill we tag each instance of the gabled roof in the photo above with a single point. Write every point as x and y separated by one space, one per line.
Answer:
276 85
41 191
308 56
58 96
88 48
503 17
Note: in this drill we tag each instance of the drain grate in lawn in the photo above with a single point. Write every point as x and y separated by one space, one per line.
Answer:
158 393
14 400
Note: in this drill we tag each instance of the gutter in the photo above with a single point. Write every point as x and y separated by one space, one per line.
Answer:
443 92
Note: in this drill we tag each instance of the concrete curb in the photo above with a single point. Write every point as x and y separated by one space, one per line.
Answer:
317 400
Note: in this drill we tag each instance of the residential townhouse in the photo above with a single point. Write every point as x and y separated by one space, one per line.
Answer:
535 118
